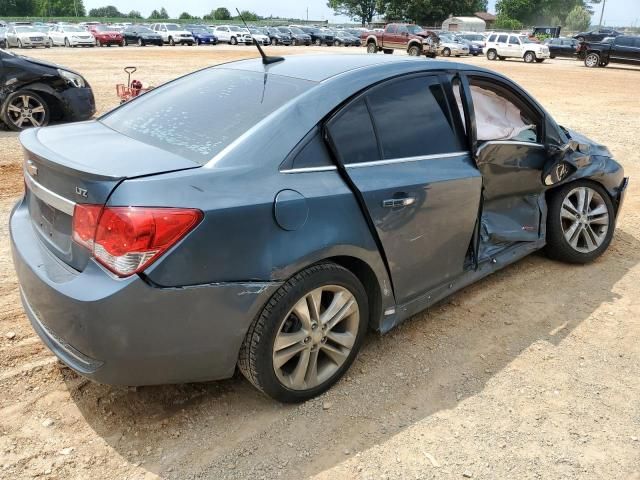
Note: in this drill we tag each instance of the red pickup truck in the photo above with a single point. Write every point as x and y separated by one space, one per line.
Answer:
403 36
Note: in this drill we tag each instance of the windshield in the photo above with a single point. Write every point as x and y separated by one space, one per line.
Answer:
103 28
283 30
235 29
413 29
198 115
474 37
172 27
297 30
74 29
525 39
142 30
199 29
25 29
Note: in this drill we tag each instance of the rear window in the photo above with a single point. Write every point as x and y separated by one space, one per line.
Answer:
197 116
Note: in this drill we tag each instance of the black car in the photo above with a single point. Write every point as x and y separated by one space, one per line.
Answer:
596 35
622 49
40 93
298 37
563 47
278 37
141 35
318 37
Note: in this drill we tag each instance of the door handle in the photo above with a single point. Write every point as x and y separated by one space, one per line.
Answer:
398 202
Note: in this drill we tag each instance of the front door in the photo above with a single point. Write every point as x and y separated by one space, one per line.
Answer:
511 157
405 155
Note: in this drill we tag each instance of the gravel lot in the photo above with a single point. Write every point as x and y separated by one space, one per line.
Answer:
531 373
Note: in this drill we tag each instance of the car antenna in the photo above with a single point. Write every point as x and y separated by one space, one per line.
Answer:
266 59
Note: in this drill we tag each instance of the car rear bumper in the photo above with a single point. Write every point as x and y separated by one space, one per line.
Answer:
125 331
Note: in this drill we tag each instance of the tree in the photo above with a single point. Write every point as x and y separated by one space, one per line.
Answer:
163 14
578 19
185 16
60 8
155 14
540 11
107 12
430 12
363 10
221 14
134 14
505 23
249 16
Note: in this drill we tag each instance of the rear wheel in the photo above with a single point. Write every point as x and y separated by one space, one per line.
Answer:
580 222
172 42
123 43
308 334
318 42
492 55
25 109
592 60
372 48
140 42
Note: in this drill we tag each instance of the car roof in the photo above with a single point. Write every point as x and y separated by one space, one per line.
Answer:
317 68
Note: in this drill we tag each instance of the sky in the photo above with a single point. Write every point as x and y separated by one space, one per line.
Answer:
617 12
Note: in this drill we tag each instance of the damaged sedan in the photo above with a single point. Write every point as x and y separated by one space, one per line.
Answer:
34 93
314 199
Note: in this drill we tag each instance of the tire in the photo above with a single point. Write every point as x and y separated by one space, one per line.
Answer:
446 52
172 42
98 43
336 43
124 42
539 60
552 56
558 227
11 118
19 43
140 42
592 60
475 54
414 51
388 51
233 41
274 42
278 319
318 42
529 57
492 55
372 48
580 39
604 64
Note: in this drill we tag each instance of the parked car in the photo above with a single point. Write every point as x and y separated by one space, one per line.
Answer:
623 49
563 47
24 36
173 34
259 36
318 36
298 37
278 38
502 46
232 35
140 35
146 262
202 35
3 37
596 35
342 38
452 45
105 35
402 36
475 38
41 92
71 36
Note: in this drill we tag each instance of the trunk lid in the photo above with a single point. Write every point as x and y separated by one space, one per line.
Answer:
81 163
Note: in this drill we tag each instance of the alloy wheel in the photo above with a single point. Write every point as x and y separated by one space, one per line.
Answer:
446 52
371 48
26 111
592 60
316 337
585 219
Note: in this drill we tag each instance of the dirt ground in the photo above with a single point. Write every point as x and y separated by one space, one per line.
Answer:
531 373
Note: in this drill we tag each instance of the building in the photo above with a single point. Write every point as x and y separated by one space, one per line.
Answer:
489 18
464 24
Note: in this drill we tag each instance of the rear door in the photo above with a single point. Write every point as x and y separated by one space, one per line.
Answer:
501 46
405 155
624 48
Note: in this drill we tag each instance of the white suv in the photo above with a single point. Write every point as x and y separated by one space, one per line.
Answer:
232 34
504 45
172 33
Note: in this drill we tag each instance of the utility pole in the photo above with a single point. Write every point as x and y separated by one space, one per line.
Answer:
307 14
604 2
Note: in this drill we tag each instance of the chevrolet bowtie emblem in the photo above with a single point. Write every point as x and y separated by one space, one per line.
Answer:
31 168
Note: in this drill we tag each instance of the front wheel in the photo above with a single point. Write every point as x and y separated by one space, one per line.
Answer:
580 222
592 60
414 51
446 52
308 334
172 42
529 57
25 109
98 43
492 55
371 48
140 42
318 42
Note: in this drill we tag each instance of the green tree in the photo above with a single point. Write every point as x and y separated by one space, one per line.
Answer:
163 14
155 14
221 14
107 12
250 16
530 12
430 12
134 14
17 8
505 23
185 16
363 10
578 19
60 8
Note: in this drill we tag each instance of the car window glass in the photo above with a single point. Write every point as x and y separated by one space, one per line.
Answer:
501 114
514 41
402 30
492 38
412 118
624 41
502 38
637 42
198 115
352 134
391 29
312 154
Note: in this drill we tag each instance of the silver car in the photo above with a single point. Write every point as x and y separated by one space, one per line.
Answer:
24 36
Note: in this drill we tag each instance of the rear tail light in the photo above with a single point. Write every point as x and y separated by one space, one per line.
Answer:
126 240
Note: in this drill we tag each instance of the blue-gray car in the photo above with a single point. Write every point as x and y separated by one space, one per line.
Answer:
266 217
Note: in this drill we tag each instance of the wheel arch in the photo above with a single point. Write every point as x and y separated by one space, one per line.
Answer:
47 93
